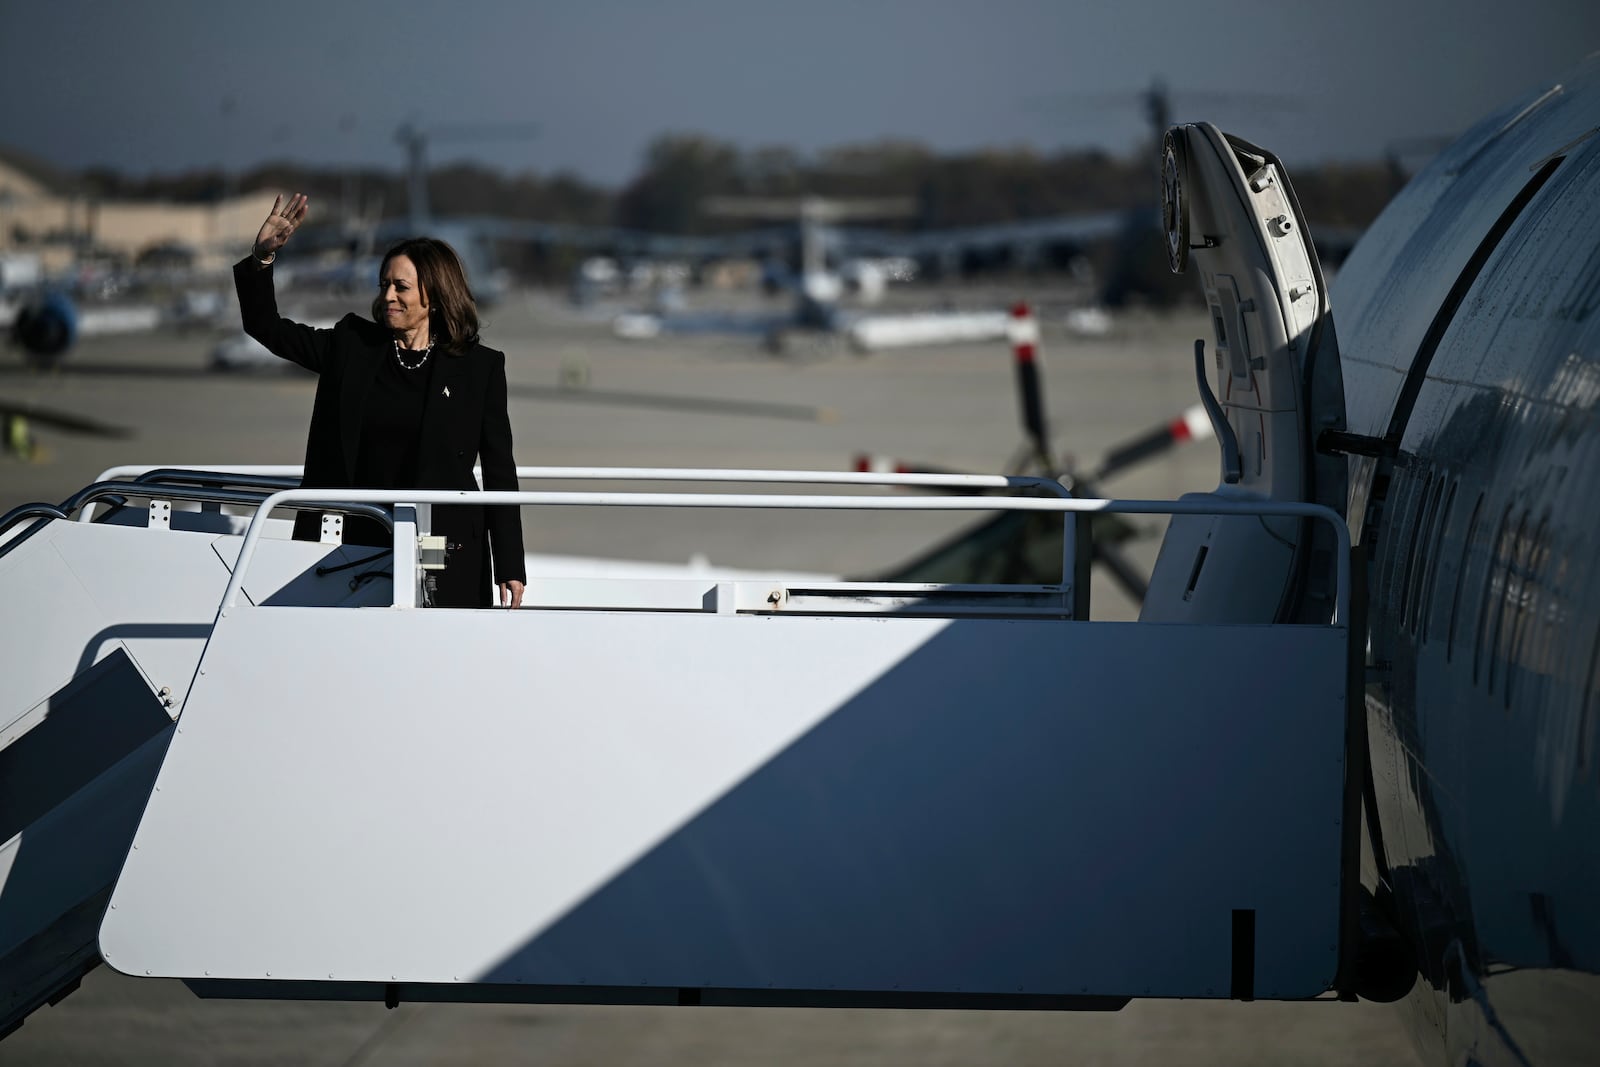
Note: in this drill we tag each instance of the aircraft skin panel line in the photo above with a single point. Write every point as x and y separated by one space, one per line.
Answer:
1406 263
660 799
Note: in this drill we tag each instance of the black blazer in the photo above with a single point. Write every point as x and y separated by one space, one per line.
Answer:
464 421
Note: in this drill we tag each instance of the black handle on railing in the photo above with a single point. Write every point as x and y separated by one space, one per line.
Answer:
209 495
182 476
29 511
121 490
42 512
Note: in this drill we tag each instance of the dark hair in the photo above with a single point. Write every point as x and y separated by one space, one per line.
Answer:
453 314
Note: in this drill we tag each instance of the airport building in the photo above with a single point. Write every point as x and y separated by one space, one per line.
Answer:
50 214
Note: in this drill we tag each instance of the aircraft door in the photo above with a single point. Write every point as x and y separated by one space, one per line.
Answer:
1230 212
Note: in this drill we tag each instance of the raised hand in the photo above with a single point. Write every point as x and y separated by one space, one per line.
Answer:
282 221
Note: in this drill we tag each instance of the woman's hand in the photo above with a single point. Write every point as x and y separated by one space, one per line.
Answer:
282 221
511 594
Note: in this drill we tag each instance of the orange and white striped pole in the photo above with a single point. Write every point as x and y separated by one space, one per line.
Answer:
1024 336
1193 425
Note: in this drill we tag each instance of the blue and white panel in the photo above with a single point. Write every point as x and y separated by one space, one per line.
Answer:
641 799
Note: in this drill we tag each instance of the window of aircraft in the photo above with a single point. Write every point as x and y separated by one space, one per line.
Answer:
1529 645
1507 549
1553 636
1493 589
1506 602
1437 550
1461 577
1591 696
1423 540
1401 567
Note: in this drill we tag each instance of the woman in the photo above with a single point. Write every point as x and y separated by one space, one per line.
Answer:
409 401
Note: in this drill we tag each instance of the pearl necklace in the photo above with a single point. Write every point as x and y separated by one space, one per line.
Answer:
426 352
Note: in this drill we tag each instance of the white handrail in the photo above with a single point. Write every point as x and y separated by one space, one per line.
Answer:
267 470
809 503
659 474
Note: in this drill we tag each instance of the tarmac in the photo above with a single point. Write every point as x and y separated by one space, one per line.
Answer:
579 396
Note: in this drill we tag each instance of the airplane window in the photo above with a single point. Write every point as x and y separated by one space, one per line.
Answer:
1511 560
1427 561
1546 634
1427 502
1493 589
1591 696
1461 575
1426 610
1526 649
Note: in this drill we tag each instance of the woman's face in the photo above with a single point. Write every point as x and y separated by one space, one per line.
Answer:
405 305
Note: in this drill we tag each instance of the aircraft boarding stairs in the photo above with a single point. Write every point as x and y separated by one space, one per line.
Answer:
258 766
645 790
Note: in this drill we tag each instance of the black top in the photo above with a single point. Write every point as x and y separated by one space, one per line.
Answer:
386 456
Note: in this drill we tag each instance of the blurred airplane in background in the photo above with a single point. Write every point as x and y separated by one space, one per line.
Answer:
824 263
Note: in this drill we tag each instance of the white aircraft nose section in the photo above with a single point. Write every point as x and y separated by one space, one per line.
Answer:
1231 213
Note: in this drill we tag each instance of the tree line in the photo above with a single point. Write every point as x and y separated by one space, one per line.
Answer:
681 172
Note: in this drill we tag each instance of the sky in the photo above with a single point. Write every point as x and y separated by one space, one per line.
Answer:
584 86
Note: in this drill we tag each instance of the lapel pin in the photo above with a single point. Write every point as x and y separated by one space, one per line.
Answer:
447 390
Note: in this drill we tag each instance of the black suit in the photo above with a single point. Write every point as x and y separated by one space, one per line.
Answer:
464 417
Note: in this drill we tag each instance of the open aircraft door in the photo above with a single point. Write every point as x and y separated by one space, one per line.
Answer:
826 794
1231 216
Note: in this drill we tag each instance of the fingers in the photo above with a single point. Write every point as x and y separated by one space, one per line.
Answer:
511 594
291 212
284 218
